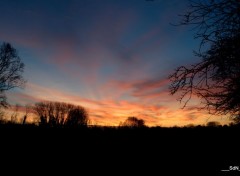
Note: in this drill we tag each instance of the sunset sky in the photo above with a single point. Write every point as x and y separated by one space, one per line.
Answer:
112 57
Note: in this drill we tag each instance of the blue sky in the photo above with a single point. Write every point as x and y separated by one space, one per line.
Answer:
111 56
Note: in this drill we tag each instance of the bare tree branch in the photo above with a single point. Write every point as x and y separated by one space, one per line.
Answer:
216 78
11 70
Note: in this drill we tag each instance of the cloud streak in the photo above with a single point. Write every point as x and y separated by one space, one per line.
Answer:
112 58
112 112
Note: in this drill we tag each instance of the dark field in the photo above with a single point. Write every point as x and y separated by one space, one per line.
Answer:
121 151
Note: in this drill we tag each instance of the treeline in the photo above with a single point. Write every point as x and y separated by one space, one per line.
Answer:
48 114
60 114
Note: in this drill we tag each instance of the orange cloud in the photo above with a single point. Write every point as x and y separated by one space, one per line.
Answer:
112 112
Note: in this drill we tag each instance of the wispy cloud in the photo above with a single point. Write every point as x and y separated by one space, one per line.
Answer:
112 112
112 58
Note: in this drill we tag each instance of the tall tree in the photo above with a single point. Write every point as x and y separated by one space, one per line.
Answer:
11 70
216 78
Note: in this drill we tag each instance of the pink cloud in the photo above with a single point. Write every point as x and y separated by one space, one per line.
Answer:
151 88
106 111
144 89
112 112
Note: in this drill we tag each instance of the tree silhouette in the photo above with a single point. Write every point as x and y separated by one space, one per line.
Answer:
40 110
2 119
216 78
77 117
133 122
213 124
27 111
11 70
15 114
51 113
60 114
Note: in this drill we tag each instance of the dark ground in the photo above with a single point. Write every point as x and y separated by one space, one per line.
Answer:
101 151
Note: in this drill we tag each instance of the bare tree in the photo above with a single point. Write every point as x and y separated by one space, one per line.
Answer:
27 111
11 70
213 20
2 119
48 112
60 114
40 110
216 78
133 122
15 113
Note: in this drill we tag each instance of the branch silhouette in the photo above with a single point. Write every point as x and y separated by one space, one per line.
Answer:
215 79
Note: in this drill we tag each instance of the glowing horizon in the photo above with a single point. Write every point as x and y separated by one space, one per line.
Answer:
109 112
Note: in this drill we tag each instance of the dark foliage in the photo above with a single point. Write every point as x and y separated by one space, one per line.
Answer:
77 117
213 124
133 122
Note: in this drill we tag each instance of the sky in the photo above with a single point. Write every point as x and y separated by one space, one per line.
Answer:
112 57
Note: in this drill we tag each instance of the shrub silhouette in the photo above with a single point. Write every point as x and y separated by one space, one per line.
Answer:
133 122
77 117
213 124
